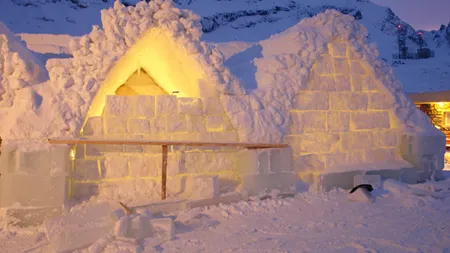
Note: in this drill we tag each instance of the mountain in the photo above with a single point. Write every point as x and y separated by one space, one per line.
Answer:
228 21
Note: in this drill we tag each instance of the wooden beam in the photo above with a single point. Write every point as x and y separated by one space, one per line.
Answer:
168 143
164 172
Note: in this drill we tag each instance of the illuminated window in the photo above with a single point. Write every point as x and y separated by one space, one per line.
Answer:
447 118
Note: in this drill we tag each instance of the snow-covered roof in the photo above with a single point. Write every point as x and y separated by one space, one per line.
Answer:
129 39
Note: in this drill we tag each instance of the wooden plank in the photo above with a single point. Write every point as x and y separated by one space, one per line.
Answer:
164 172
169 143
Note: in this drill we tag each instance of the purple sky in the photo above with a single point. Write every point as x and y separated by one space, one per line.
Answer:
421 14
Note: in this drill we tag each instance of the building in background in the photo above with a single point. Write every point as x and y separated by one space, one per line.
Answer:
437 106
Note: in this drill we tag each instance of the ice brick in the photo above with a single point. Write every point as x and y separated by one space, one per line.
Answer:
196 123
311 100
86 170
166 105
338 121
191 106
33 162
342 83
116 166
140 228
335 160
369 120
80 228
139 126
357 140
253 161
256 184
348 101
145 106
202 187
381 155
176 123
116 125
386 138
163 228
314 143
321 83
118 106
314 122
200 162
280 159
341 66
381 101
140 166
175 164
33 190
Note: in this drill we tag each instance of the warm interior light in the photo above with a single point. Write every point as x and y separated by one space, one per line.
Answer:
441 104
72 153
170 68
140 83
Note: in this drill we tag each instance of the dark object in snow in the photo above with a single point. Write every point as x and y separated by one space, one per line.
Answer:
368 187
127 209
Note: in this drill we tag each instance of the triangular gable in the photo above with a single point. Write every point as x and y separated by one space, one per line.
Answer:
172 68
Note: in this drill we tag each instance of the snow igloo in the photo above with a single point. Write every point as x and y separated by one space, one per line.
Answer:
147 75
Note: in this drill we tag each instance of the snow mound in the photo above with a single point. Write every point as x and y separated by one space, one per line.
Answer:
19 68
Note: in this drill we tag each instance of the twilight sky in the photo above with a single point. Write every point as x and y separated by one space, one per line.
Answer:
421 14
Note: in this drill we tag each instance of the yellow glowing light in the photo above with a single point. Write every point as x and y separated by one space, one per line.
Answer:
72 154
441 104
140 83
162 59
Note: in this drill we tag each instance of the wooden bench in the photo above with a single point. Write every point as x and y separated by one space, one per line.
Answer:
164 145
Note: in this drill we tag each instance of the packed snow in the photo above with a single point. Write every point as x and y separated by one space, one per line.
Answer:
399 218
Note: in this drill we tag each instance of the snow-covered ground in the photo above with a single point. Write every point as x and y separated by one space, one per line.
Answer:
397 222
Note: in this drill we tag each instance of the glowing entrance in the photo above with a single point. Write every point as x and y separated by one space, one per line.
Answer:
167 67
140 83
